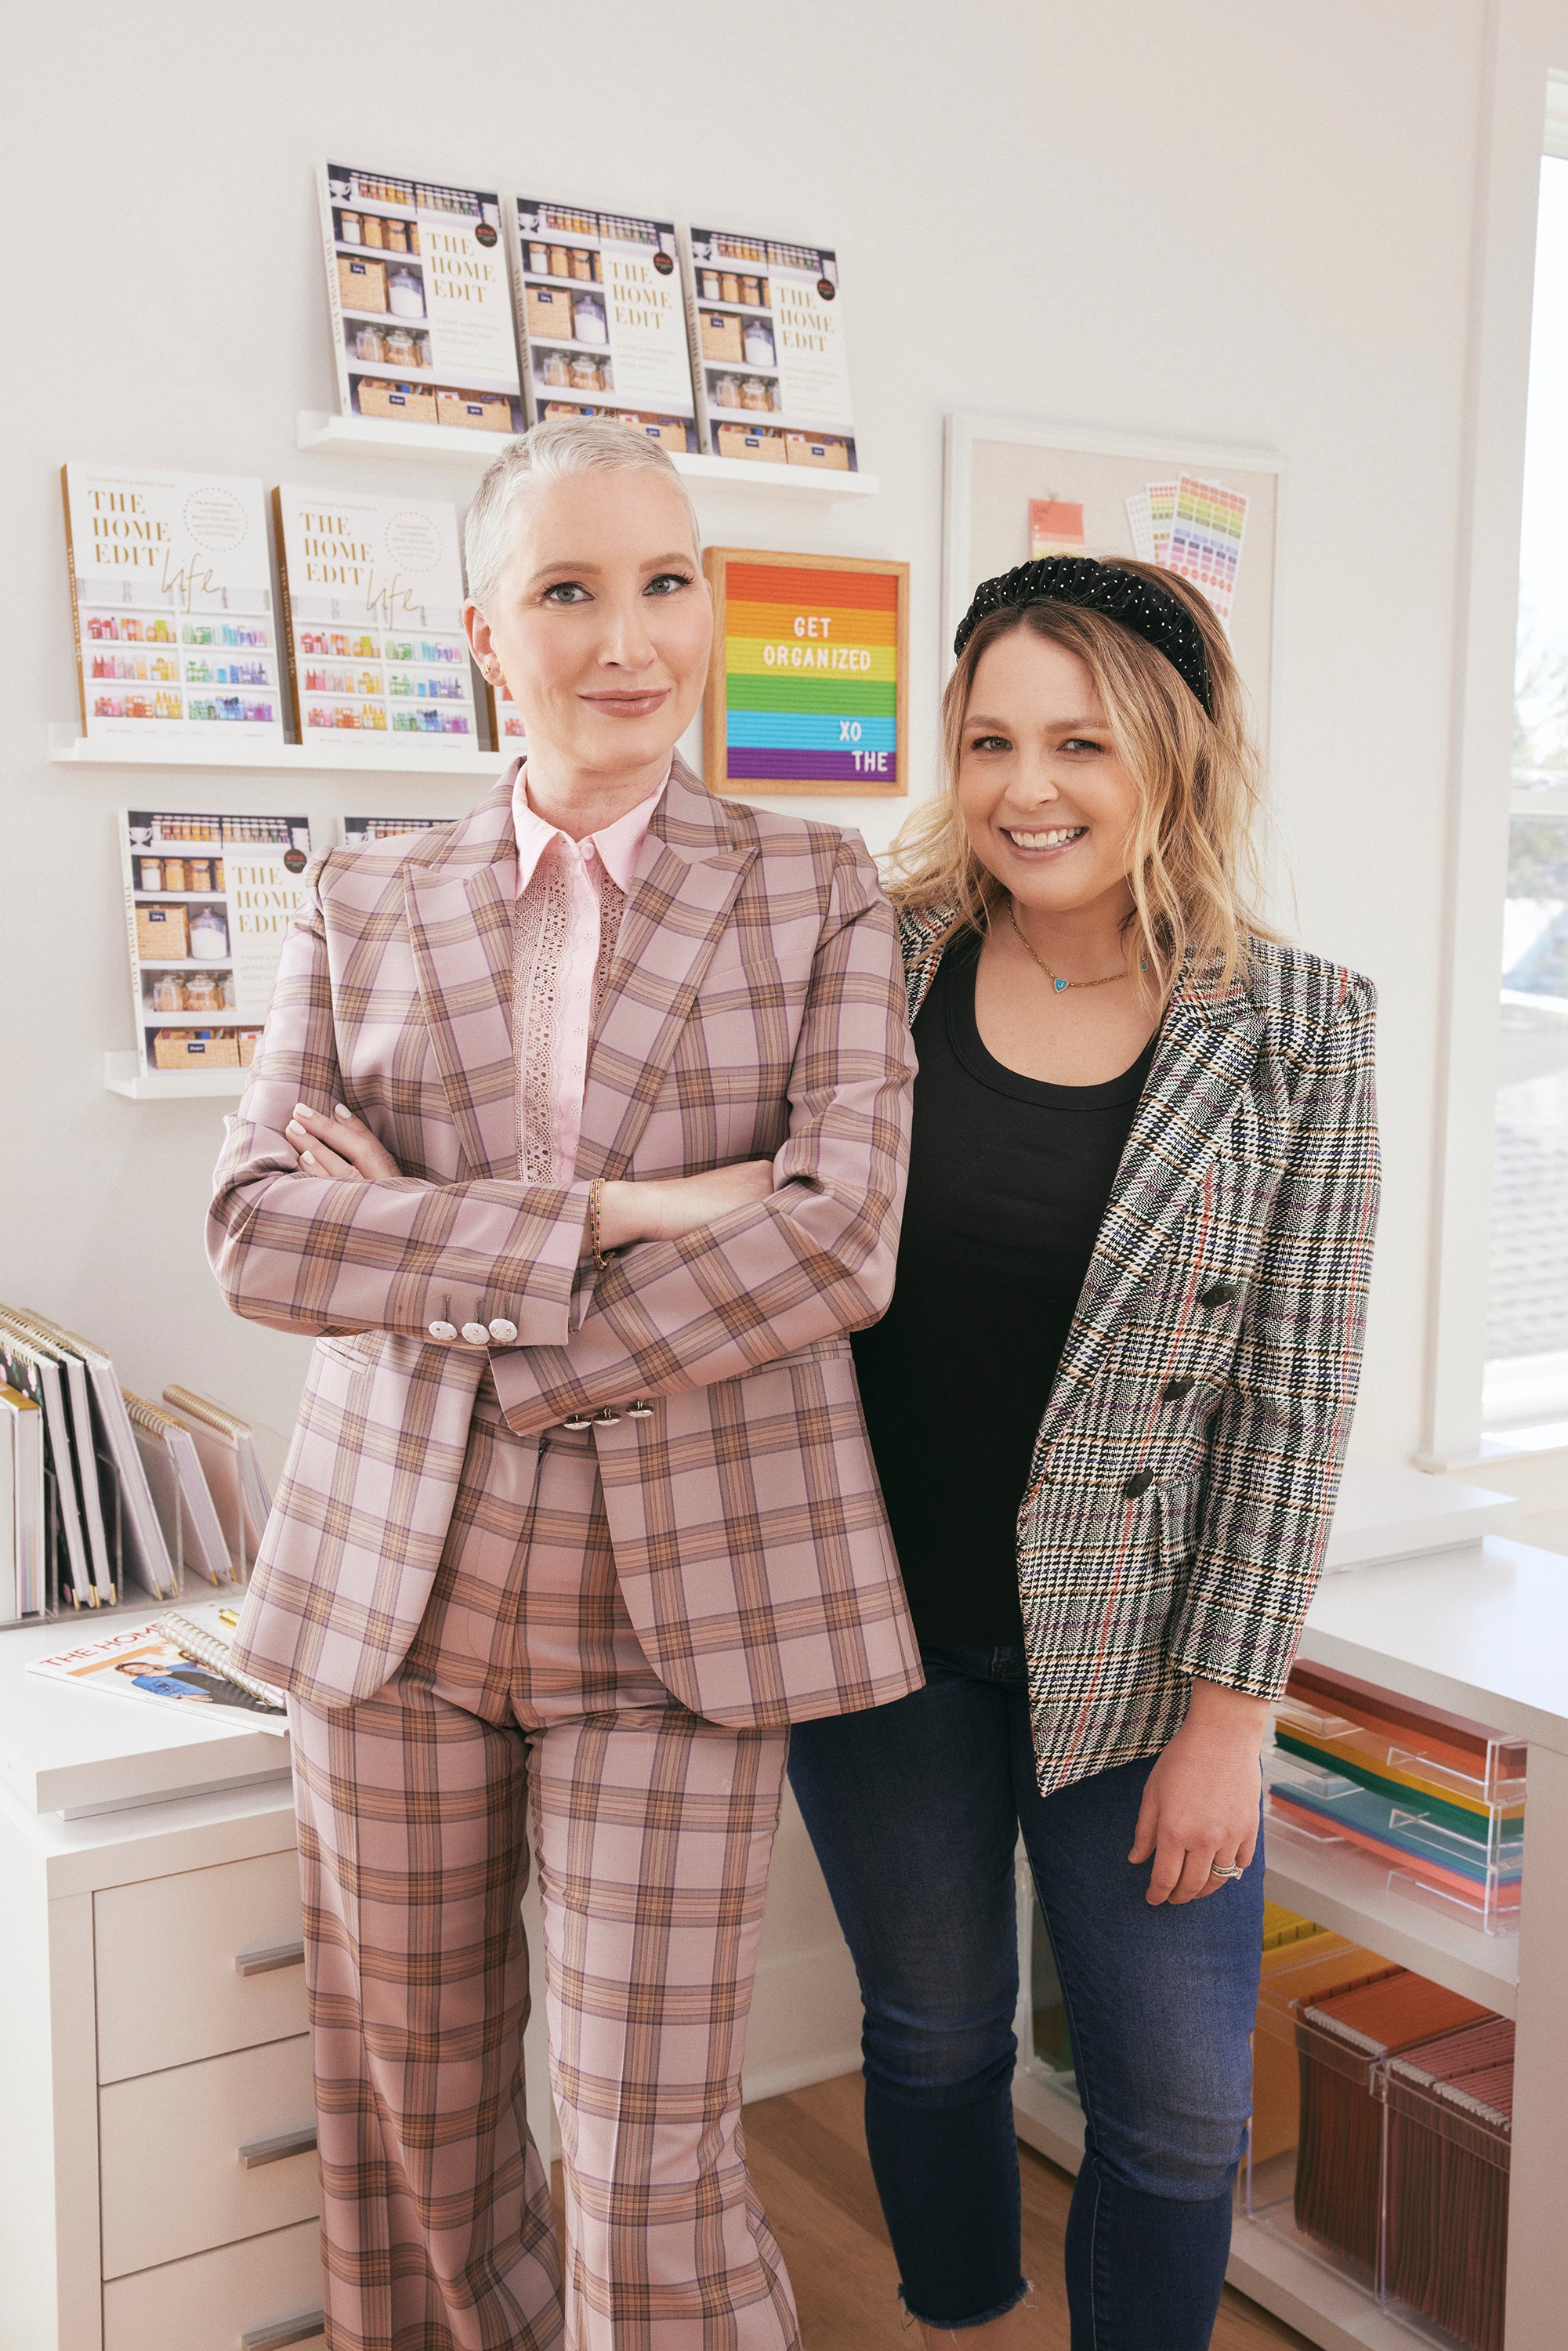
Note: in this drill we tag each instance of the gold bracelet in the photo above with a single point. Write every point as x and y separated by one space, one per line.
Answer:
595 1194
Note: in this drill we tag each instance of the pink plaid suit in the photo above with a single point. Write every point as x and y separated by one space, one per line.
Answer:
479 1613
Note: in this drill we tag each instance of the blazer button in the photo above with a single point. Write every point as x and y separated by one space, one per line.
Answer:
1218 1293
608 1419
444 1330
1179 1387
639 1411
503 1331
1138 1483
476 1333
577 1420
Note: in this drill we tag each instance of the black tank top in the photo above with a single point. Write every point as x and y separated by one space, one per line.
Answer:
1009 1178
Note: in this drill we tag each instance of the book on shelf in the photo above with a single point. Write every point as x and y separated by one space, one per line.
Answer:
179 1491
226 1447
22 1529
600 316
372 617
179 1659
416 283
366 832
506 730
31 1365
768 361
102 1529
172 603
208 903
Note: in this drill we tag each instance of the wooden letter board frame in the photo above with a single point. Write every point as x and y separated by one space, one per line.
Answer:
716 562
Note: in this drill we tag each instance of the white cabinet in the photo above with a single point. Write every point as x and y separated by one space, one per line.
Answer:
158 2179
1480 1630
158 2186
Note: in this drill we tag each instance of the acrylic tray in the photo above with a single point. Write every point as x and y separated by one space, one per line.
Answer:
1466 1859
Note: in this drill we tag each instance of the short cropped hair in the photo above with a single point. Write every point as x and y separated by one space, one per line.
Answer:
551 452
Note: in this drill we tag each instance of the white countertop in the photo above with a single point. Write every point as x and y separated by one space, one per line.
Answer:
1482 1630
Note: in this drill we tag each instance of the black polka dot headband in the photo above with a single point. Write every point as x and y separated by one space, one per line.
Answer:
1123 596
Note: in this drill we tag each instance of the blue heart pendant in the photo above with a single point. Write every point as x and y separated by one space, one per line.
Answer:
1061 985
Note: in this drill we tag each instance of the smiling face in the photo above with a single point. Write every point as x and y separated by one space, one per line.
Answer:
1047 805
601 621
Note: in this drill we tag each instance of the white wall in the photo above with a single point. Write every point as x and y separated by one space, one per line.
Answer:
1227 222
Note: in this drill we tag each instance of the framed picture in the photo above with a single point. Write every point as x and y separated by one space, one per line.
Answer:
807 685
1014 489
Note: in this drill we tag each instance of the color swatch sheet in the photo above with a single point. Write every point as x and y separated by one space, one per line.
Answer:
812 676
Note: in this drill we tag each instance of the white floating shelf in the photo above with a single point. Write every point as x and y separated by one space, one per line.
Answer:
366 438
123 1074
337 755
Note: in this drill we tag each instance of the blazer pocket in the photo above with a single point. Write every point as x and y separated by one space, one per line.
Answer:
354 1350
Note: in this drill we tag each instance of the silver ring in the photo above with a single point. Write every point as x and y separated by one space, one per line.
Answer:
1230 1875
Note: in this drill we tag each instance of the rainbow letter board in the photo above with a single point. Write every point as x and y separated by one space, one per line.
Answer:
812 686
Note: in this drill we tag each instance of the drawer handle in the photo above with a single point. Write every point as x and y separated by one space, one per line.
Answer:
258 2151
286 2330
263 1961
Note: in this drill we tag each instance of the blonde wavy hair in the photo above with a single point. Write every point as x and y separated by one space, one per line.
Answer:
1193 862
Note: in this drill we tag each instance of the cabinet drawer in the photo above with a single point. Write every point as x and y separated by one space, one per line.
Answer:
268 2287
174 2180
191 1965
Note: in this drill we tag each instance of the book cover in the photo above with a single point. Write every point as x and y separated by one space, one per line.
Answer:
140 1538
600 316
372 615
416 283
172 601
22 1534
153 1663
366 832
506 730
772 373
208 902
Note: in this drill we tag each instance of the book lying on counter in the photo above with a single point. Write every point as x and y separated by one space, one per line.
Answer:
372 615
600 316
416 282
171 599
769 361
208 903
181 1658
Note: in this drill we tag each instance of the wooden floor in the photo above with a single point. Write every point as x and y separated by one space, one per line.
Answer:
808 2157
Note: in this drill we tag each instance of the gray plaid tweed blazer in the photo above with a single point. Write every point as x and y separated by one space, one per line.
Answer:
1184 1472
753 1008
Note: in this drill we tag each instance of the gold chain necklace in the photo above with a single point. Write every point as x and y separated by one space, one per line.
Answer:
1062 986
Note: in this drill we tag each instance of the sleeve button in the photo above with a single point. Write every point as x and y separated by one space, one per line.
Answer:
1218 1293
639 1411
1138 1483
503 1331
475 1334
444 1330
1175 1389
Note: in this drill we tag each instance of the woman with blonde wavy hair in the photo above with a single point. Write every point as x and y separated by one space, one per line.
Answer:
1108 1406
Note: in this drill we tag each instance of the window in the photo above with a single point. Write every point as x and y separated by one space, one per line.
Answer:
1527 1294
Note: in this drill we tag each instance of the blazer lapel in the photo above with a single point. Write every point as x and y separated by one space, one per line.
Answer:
459 896
688 873
1203 1062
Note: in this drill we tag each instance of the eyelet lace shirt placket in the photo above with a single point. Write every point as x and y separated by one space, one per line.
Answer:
571 895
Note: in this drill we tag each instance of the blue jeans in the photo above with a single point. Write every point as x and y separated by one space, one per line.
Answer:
914 1811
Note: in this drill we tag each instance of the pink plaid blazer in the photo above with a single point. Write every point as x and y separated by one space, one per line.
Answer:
755 1009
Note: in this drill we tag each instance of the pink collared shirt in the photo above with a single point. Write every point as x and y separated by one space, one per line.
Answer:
569 897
